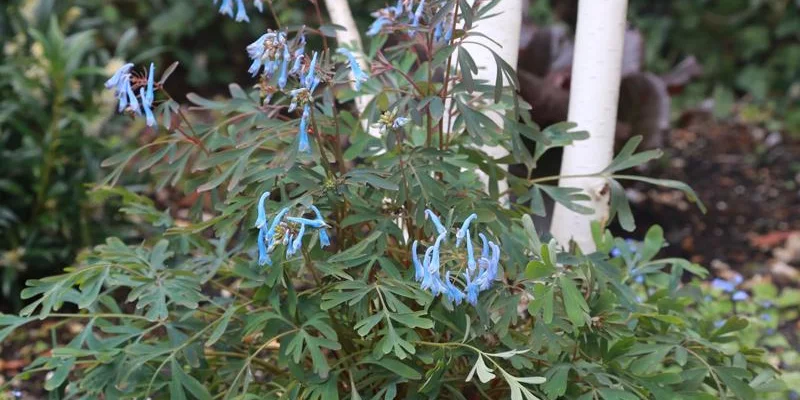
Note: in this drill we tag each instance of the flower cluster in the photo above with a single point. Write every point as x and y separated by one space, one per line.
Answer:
272 54
226 8
405 15
478 273
286 230
730 286
125 83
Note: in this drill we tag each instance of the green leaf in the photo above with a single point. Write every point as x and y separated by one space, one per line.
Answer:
732 377
537 270
167 72
653 242
616 394
222 325
574 302
533 236
398 367
468 68
687 191
413 320
568 197
556 385
59 375
191 384
733 324
620 206
626 159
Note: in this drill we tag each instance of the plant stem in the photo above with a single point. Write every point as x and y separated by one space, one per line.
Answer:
52 138
321 22
446 86
318 135
274 15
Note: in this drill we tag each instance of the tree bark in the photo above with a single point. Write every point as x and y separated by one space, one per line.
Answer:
340 14
596 74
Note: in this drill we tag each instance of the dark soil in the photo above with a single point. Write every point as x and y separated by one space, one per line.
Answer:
749 179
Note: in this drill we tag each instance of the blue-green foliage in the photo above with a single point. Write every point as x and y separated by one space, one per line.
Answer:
345 315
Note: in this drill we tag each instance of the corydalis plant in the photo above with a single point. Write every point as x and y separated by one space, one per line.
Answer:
347 315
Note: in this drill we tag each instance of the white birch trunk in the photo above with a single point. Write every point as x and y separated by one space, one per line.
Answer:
340 14
596 74
504 28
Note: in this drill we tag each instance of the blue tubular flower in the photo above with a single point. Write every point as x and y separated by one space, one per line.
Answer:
117 80
121 83
464 230
358 74
436 222
485 250
417 16
314 223
294 246
283 77
226 8
298 55
472 289
259 5
148 97
470 254
133 102
377 25
263 252
324 240
262 213
255 51
241 12
493 264
310 81
302 142
434 266
400 122
452 293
